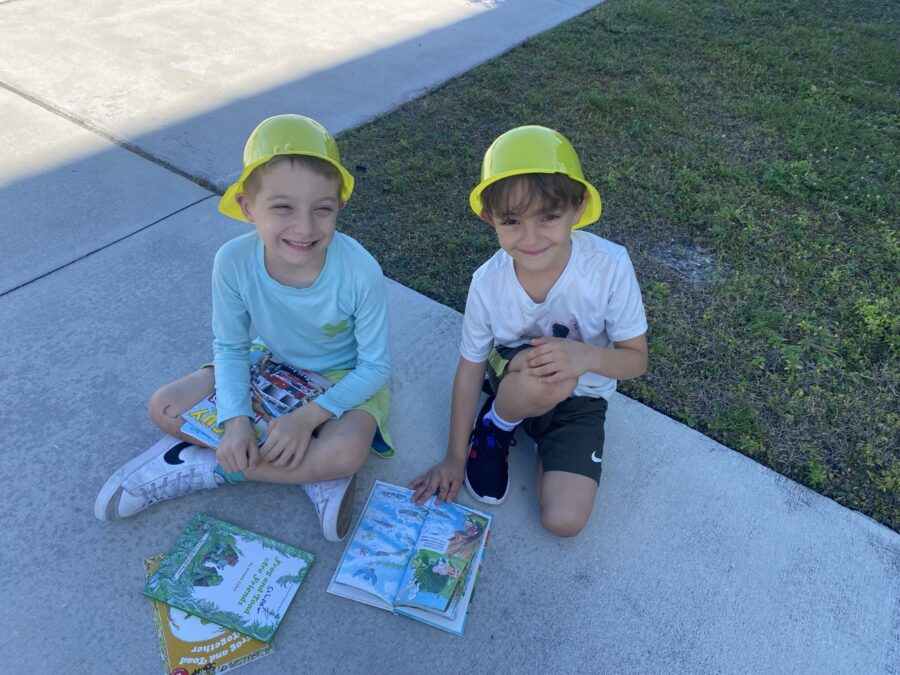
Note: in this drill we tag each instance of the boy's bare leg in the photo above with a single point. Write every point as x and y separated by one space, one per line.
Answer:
170 469
157 474
169 401
520 395
340 449
328 470
566 500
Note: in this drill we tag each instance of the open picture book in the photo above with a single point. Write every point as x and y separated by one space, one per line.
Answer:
276 388
230 576
417 561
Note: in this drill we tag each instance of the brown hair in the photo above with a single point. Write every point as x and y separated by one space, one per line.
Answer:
551 190
314 164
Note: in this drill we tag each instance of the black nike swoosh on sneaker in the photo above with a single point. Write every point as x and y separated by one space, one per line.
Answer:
171 456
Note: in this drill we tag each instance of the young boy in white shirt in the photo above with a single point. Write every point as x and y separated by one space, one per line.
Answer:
554 318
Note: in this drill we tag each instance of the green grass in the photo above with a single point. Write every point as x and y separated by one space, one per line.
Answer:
747 155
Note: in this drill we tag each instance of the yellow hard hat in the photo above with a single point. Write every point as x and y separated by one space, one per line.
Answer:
534 149
285 135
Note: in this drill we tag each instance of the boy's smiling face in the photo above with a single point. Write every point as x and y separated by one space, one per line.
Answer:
538 240
294 210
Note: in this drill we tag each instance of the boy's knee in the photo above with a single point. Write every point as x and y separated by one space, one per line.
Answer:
560 391
157 405
547 395
346 455
160 409
351 462
562 523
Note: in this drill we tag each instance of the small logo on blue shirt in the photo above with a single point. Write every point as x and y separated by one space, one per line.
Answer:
331 330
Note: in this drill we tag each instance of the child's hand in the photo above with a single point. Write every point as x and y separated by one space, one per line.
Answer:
238 449
289 436
557 359
443 480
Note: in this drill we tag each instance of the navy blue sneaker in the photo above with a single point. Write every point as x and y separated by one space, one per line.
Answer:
487 468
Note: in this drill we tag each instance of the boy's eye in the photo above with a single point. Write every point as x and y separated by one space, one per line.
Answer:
281 207
324 209
509 221
550 217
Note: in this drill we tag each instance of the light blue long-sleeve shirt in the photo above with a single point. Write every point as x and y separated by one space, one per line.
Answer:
338 323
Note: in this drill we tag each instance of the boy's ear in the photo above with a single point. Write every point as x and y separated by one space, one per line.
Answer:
244 203
486 217
584 202
341 203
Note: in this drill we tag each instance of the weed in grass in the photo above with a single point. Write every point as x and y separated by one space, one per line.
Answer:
817 473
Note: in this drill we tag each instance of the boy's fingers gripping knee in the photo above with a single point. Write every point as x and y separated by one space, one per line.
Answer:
297 459
519 361
253 456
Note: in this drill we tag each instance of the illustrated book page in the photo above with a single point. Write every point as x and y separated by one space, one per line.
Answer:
419 561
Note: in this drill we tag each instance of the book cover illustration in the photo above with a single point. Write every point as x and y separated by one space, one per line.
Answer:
230 576
419 561
189 644
282 388
276 388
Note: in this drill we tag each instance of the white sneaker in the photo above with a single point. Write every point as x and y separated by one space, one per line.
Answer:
333 500
170 468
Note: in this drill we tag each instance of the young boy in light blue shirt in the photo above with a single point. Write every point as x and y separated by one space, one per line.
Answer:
316 299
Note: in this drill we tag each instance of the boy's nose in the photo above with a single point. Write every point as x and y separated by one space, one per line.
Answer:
531 234
301 224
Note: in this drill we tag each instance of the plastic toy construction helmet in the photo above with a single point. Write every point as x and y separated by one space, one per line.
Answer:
285 135
534 149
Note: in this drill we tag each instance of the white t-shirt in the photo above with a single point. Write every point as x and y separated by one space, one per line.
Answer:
595 300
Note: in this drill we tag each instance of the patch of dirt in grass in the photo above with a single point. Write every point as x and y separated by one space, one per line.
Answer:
689 262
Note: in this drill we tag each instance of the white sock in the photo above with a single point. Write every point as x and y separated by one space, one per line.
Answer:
498 421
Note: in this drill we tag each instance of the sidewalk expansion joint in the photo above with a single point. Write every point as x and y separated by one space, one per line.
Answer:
104 246
86 124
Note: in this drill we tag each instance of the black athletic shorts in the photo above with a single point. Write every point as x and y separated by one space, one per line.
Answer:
570 436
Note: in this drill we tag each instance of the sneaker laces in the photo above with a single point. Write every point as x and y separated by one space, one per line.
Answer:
319 492
314 492
182 483
492 443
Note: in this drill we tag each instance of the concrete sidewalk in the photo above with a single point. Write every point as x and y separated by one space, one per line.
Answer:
118 121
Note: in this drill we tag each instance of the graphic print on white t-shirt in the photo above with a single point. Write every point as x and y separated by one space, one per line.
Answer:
558 329
596 300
